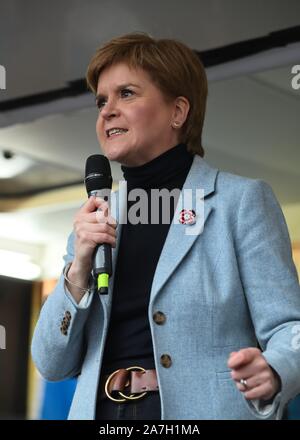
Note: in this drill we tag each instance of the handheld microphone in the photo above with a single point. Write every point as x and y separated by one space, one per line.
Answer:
98 182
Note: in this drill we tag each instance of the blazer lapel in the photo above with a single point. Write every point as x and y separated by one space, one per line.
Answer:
200 182
179 239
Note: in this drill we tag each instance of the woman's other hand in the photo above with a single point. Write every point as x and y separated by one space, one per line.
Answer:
262 382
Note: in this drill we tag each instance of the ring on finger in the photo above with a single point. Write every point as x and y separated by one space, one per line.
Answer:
244 383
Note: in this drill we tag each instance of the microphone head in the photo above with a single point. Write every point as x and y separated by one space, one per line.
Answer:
97 173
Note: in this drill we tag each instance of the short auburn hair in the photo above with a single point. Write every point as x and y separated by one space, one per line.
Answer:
172 66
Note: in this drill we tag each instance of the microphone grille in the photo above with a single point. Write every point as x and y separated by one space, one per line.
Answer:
97 163
97 173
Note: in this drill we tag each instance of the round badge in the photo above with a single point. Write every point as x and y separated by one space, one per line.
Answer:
187 217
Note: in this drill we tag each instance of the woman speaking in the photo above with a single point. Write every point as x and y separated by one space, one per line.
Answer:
194 326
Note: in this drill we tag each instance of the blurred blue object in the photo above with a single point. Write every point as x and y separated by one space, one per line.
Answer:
293 412
57 399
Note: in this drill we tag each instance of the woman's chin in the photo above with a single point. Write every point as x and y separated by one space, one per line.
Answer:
115 156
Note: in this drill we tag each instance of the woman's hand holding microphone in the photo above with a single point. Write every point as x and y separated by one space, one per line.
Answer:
93 225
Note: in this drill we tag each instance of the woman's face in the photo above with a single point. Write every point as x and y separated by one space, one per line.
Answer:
128 100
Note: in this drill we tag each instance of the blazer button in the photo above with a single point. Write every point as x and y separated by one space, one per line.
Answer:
159 318
65 322
63 330
166 360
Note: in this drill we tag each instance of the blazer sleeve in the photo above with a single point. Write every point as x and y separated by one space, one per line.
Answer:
58 343
271 284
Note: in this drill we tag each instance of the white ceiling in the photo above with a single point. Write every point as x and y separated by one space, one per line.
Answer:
252 122
45 44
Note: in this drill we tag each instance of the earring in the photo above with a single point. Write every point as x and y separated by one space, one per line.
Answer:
176 124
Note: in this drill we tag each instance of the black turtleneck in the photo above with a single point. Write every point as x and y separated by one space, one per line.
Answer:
129 339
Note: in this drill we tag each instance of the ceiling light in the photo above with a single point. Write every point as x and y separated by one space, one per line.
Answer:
12 165
18 265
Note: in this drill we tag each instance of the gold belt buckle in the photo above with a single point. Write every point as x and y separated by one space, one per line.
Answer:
125 397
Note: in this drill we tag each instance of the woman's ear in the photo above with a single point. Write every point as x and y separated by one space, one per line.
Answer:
181 110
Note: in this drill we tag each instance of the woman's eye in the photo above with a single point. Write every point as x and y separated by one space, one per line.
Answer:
100 103
126 92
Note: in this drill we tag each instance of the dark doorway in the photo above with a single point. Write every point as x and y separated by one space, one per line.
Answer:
15 306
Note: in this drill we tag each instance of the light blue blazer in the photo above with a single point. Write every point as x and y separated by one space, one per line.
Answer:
230 287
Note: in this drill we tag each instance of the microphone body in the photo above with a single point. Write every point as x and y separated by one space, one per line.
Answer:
98 183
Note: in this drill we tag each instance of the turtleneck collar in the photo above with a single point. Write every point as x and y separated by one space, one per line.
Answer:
161 171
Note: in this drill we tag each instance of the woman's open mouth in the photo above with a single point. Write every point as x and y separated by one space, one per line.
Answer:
114 132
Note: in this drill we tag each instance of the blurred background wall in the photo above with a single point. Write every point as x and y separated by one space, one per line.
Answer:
47 130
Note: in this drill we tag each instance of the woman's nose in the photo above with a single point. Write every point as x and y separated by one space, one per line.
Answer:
109 110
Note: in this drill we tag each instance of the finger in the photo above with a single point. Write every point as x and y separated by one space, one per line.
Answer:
96 227
242 388
94 203
255 369
101 203
87 214
105 217
245 371
89 206
242 357
103 213
97 238
251 382
230 356
262 391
